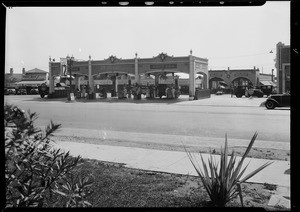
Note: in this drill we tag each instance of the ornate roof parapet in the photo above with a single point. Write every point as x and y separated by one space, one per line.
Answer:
163 56
113 59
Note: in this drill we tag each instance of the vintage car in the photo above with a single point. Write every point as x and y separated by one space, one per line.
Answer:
254 92
251 92
43 90
34 91
219 92
10 91
278 100
21 91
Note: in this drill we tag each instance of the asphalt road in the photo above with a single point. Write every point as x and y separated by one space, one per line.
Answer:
193 118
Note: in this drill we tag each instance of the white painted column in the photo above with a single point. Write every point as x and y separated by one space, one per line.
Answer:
51 80
191 76
116 84
136 70
91 80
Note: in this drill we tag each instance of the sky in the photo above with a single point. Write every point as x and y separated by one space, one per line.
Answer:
234 37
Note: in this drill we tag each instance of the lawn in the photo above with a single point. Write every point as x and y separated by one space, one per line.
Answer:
118 186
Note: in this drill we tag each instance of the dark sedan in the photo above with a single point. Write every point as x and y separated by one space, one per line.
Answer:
34 91
21 92
278 100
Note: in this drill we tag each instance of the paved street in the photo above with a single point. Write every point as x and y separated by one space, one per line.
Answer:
208 118
193 123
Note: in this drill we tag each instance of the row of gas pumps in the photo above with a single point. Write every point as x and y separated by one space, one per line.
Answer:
123 86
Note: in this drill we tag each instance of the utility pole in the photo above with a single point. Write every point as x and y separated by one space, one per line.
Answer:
69 64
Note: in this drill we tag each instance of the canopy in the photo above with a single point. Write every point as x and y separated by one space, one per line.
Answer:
223 83
267 83
30 83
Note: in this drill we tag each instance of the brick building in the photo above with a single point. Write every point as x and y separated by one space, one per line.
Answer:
233 77
283 67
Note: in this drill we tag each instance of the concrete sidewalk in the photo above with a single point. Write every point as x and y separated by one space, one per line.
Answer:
174 162
226 100
177 140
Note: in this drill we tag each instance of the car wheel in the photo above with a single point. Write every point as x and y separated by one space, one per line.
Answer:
238 96
270 105
42 95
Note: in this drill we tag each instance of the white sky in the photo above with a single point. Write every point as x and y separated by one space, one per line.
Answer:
235 37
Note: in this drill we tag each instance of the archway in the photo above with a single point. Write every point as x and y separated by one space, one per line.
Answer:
242 81
201 80
214 82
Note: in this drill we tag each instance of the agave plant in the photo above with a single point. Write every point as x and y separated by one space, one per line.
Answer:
223 184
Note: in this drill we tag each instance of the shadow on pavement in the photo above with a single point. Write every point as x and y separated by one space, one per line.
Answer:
112 100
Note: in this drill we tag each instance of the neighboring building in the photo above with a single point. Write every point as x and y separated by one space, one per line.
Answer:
233 77
33 78
267 79
11 78
283 67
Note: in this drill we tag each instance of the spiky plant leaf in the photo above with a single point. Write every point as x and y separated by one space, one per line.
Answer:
255 171
223 184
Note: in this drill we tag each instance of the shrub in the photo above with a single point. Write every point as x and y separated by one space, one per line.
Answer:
223 184
34 169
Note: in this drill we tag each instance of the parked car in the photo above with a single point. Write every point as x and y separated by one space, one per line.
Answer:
219 92
278 100
21 91
5 91
254 92
11 91
243 90
43 90
239 91
266 89
34 91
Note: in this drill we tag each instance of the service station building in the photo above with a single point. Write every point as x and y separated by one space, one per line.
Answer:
137 70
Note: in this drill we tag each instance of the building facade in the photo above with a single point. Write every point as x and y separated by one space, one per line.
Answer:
247 77
33 78
283 68
141 68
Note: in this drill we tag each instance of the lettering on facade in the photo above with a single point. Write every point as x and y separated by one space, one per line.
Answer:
163 66
55 65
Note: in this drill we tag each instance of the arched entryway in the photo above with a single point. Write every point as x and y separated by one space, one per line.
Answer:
242 81
201 80
214 83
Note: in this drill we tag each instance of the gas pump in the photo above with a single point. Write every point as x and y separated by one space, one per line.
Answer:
168 86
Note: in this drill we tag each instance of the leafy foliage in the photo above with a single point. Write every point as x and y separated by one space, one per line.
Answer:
35 169
223 184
